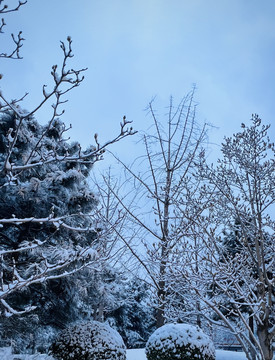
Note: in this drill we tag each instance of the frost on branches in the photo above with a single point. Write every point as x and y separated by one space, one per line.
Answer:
46 227
45 233
171 148
231 259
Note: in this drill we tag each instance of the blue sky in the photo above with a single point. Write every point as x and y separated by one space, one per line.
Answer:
138 49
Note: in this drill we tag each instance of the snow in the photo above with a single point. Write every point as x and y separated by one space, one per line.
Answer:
6 356
180 335
91 337
139 354
134 354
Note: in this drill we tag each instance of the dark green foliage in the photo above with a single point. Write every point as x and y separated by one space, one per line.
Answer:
231 245
55 188
178 352
117 298
133 317
89 341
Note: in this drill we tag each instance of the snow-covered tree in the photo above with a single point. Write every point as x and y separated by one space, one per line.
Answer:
47 231
157 182
132 314
236 280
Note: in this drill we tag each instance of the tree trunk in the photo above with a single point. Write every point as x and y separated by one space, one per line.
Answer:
251 326
198 308
161 298
160 315
265 341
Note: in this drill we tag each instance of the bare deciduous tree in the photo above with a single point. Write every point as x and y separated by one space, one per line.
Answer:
156 186
18 39
238 195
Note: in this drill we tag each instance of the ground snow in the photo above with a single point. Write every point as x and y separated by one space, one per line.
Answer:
139 354
134 354
7 356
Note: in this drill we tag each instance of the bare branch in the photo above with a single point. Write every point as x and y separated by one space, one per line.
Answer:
18 39
5 9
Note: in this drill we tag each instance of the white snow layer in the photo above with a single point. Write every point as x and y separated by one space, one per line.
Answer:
139 354
181 335
134 354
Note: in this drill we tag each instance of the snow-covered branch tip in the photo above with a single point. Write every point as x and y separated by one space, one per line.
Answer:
69 78
64 81
92 156
125 130
56 221
46 270
13 103
9 310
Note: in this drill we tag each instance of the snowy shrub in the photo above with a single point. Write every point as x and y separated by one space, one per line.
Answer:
179 342
90 341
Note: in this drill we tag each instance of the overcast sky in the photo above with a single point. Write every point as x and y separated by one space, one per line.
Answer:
138 49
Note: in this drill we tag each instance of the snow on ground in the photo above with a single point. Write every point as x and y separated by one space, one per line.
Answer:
7 356
135 354
139 354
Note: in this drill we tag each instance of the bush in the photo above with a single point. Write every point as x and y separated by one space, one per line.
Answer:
179 342
89 341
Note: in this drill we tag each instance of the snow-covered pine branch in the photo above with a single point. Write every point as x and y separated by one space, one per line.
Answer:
48 218
68 263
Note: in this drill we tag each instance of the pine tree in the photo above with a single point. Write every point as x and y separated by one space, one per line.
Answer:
132 314
58 190
47 230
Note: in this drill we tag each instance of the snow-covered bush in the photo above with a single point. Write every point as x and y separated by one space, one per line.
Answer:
90 341
179 342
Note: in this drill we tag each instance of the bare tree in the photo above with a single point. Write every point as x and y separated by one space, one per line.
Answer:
238 195
157 183
41 156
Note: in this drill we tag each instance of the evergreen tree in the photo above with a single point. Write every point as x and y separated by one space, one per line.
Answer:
48 227
58 190
47 231
133 316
